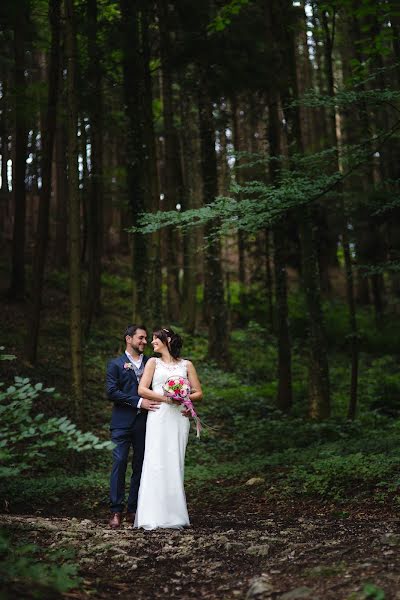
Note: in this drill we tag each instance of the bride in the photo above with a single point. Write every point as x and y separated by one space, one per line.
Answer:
162 501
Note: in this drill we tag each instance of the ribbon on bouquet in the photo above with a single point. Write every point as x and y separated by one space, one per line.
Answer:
178 388
188 404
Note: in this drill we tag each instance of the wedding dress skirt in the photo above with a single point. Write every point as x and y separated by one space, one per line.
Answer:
162 500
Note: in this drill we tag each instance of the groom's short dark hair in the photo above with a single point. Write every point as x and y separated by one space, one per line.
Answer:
132 329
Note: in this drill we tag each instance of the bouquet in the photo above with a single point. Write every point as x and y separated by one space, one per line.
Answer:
178 388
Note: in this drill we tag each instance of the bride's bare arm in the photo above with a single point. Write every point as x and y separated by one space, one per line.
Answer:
144 386
197 392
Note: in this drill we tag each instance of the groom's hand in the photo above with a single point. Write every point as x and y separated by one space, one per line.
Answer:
150 404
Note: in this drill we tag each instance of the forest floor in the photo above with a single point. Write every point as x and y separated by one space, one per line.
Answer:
241 547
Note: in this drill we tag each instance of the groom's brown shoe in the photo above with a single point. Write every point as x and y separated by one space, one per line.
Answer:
115 521
130 517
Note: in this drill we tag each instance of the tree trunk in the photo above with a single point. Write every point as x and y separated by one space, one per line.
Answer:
154 306
139 150
218 335
17 283
95 192
74 214
4 132
368 244
48 134
319 400
61 237
284 398
318 360
268 280
173 192
238 174
192 187
354 350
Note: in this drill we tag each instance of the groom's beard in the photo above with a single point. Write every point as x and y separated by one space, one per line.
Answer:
138 349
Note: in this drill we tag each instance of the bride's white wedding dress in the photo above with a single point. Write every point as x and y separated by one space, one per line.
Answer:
162 500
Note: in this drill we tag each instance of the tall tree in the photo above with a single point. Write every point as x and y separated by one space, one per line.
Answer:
61 187
95 196
74 212
237 141
153 285
140 150
218 334
48 135
354 343
173 193
20 17
284 392
318 371
192 241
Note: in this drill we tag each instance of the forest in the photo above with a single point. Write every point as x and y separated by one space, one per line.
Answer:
229 169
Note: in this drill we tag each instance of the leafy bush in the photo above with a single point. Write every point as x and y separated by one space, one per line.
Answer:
23 565
373 592
55 489
255 343
380 386
28 441
335 476
6 356
121 285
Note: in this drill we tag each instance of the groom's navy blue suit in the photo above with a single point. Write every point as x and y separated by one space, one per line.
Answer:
128 428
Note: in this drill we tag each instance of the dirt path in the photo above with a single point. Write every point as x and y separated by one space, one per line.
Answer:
315 554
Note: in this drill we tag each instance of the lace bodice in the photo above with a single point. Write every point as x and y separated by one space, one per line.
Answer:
163 371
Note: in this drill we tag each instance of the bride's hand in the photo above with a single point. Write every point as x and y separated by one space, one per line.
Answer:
169 400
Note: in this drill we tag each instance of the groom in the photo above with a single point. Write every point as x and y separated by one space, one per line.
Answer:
128 421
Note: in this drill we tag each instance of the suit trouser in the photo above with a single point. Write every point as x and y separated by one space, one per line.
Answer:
123 440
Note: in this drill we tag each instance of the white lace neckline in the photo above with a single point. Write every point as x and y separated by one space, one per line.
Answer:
172 365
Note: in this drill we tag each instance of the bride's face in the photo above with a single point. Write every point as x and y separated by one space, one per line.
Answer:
157 344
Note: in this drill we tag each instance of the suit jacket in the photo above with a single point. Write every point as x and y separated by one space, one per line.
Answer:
122 390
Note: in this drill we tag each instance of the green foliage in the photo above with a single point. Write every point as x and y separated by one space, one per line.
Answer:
344 98
255 340
6 356
118 284
58 280
55 488
336 476
380 387
30 441
373 592
109 12
225 14
257 204
249 437
43 571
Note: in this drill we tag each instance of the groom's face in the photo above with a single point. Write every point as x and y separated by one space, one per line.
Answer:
138 340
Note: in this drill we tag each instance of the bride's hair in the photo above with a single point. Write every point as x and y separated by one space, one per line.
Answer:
174 346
